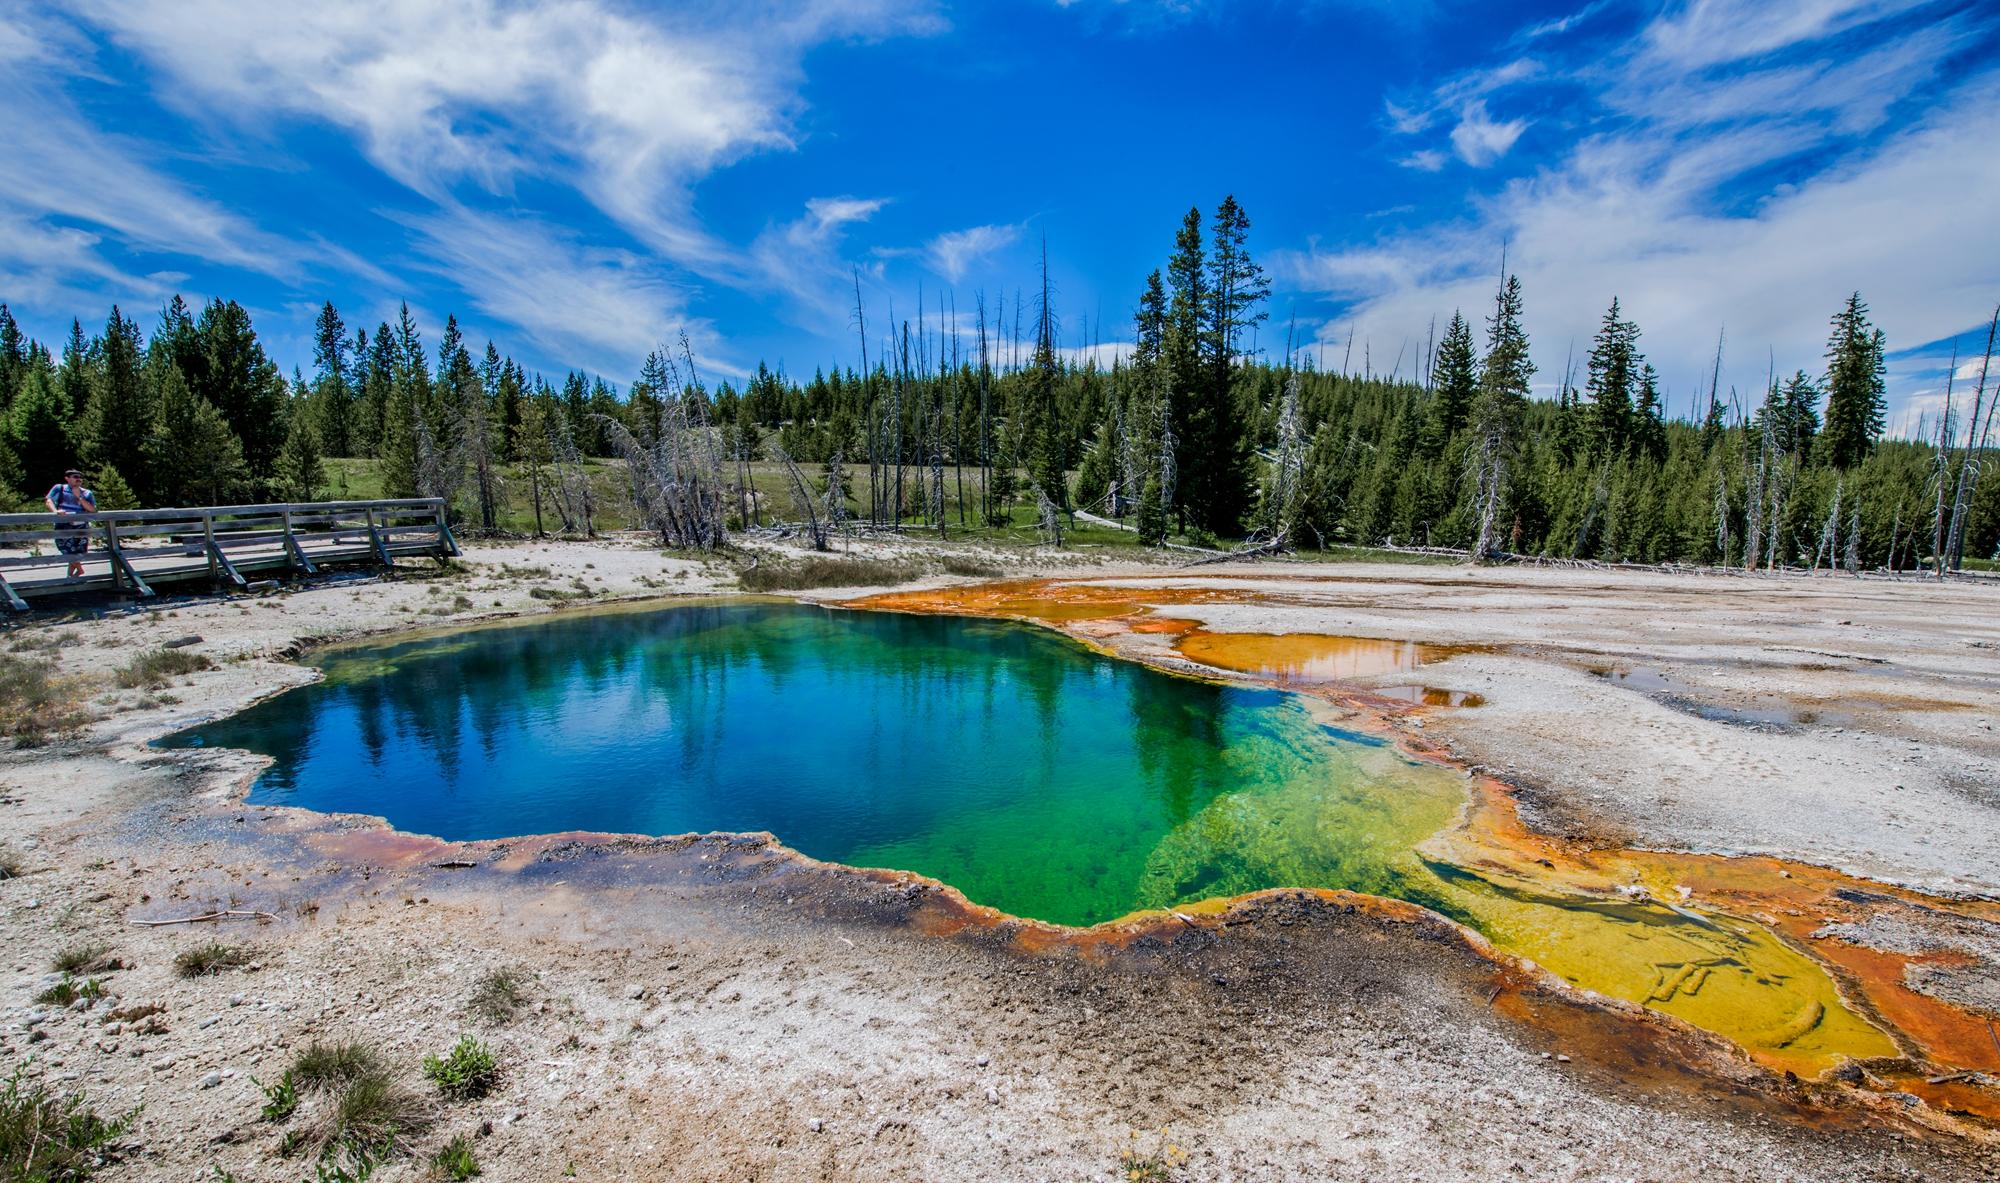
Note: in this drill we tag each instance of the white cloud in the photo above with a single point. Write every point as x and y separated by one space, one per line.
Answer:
1426 160
952 253
1909 226
629 109
1479 139
588 306
1708 32
1665 205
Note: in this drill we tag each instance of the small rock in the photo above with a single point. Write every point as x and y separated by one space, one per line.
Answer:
635 991
236 1000
815 1125
1562 1059
992 1096
208 1022
983 1061
211 1080
32 904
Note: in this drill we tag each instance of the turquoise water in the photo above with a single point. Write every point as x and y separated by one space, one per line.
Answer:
1034 775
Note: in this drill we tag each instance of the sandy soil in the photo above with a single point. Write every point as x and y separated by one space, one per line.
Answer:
715 1009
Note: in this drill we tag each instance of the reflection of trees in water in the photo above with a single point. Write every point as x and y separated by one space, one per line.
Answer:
1179 735
840 725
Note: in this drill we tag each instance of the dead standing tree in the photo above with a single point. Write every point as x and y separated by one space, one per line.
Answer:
677 482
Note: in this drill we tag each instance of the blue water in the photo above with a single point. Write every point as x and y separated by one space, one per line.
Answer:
1024 769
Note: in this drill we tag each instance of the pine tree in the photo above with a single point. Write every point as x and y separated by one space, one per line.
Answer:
1503 393
301 475
112 490
1041 427
74 378
241 382
120 415
36 431
13 358
1218 444
408 390
1649 425
1181 353
1614 374
332 406
193 458
1856 398
1457 382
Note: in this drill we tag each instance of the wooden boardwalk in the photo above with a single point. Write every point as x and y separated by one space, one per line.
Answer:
137 550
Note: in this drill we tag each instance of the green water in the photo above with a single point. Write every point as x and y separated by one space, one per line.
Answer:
1030 773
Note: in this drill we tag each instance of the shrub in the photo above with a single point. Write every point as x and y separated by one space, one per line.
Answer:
12 865
454 1161
57 1139
498 996
468 1071
152 669
211 958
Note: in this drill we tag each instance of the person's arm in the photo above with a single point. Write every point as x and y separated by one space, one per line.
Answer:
89 498
50 501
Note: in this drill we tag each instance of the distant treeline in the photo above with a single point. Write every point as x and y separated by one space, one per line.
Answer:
949 428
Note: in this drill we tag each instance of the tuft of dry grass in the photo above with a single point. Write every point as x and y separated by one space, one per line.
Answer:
87 959
35 705
211 958
153 669
498 995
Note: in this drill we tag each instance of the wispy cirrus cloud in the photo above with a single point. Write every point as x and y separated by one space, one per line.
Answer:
953 253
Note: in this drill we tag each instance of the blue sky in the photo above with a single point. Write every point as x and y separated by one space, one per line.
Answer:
580 180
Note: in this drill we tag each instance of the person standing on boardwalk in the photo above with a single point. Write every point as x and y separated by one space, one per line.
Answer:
71 497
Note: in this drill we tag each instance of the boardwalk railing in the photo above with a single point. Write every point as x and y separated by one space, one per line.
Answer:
132 550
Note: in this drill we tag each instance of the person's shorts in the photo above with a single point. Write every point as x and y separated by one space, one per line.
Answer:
72 542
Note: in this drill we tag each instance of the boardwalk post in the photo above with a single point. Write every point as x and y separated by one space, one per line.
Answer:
13 601
375 537
447 545
121 571
294 550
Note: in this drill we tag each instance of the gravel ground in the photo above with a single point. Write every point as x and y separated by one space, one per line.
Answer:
716 1009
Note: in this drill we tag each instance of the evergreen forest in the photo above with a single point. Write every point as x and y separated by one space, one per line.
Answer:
980 421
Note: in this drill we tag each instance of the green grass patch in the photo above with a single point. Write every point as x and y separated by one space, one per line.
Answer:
454 1161
467 1071
51 1138
69 990
153 669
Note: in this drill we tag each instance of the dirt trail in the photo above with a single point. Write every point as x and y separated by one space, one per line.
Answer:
713 1009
